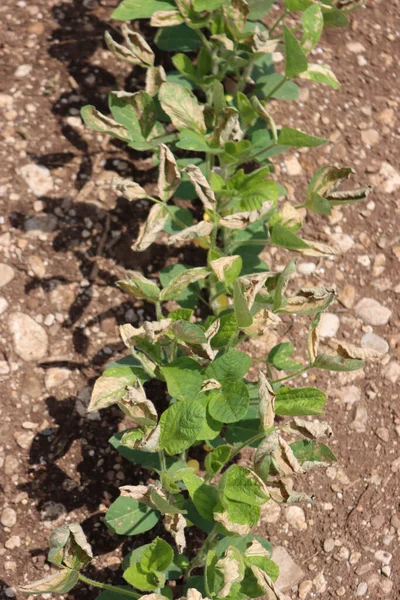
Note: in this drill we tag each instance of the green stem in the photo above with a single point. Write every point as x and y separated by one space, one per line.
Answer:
159 313
278 21
106 586
276 88
248 443
293 375
163 462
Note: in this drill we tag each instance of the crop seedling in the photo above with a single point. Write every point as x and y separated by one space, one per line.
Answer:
207 124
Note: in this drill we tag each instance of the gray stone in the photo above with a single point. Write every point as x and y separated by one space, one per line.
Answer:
362 589
55 377
374 342
29 338
8 517
360 419
37 178
6 274
328 325
343 241
383 557
372 312
290 574
296 518
3 305
392 371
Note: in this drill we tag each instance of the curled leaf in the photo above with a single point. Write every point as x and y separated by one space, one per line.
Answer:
59 583
175 525
272 592
227 127
155 77
69 547
319 249
202 187
138 407
309 300
127 188
231 568
200 230
266 405
180 282
136 52
263 320
151 330
148 232
99 122
311 429
166 18
169 176
242 220
347 350
182 106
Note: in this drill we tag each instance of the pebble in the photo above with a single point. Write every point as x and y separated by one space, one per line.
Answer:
378 521
10 592
38 178
320 583
389 178
11 464
306 268
343 241
347 296
370 137
37 265
329 545
395 466
372 312
6 274
293 167
386 116
24 439
362 589
392 371
290 574
23 71
4 367
13 542
271 511
55 377
8 517
341 591
328 325
305 588
342 554
3 305
383 434
29 338
360 419
52 511
374 342
383 557
355 47
296 518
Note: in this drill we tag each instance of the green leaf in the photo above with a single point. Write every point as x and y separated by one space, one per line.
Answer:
209 5
58 583
229 403
309 450
284 238
179 283
191 140
184 65
334 17
313 24
204 62
182 215
318 204
283 280
234 515
280 355
109 390
158 556
204 496
143 580
242 312
177 39
247 113
99 122
265 564
231 366
294 5
248 427
146 459
69 547
299 402
179 314
180 426
258 9
266 87
127 516
337 363
188 297
241 543
298 139
321 74
139 286
227 329
184 377
211 428
136 112
137 9
295 59
189 332
215 460
241 485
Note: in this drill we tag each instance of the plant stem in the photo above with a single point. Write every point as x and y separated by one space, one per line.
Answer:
292 375
159 313
278 21
106 586
198 560
163 462
248 443
276 88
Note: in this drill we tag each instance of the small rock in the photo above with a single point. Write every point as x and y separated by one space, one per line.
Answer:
366 568
360 420
347 296
306 268
63 296
386 586
320 583
6 101
52 511
270 512
383 434
374 342
30 339
349 394
386 571
38 178
4 367
370 137
290 574
24 439
10 592
13 542
389 178
23 71
355 47
329 545
395 466
354 558
11 465
383 557
372 312
328 325
395 521
343 241
305 588
343 554
392 371
3 305
386 116
37 265
6 274
296 518
362 589
293 167
55 377
36 226
8 517
341 591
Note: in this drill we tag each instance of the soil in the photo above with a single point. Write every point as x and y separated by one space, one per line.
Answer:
68 247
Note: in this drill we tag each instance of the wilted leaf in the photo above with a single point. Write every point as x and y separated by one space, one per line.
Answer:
200 230
242 220
175 525
226 128
69 547
166 18
182 106
169 176
151 330
99 122
231 569
263 320
321 74
266 405
139 286
136 52
313 24
109 390
155 77
235 13
59 583
309 300
138 407
272 592
346 350
201 186
180 282
148 232
127 188
311 429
